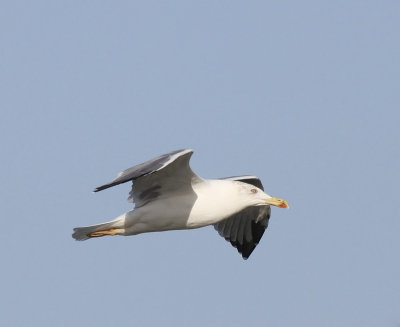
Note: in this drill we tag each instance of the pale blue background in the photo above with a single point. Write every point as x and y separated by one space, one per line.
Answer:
305 94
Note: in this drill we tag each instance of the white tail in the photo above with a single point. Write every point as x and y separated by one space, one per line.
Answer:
84 233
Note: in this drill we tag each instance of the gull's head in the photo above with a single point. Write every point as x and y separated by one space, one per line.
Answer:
259 198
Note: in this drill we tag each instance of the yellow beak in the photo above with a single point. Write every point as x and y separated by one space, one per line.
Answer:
281 203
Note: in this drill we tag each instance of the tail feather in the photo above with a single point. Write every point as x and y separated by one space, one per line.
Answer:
83 233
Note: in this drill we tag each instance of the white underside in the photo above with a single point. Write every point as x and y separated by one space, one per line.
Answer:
180 212
215 200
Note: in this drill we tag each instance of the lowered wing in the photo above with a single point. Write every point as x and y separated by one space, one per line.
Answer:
245 229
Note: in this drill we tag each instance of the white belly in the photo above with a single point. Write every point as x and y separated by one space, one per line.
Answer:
183 211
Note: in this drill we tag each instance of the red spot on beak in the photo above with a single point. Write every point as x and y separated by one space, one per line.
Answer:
283 205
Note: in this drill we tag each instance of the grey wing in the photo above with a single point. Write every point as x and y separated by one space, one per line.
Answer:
245 229
168 172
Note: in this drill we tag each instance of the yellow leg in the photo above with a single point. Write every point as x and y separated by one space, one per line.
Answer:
111 231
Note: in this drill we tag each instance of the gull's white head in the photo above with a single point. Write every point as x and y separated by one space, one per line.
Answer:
258 197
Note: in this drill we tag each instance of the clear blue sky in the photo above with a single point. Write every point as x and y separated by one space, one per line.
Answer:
304 94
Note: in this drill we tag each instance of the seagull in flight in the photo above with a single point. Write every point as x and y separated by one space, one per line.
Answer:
168 195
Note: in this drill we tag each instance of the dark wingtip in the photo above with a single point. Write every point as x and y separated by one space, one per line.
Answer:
103 187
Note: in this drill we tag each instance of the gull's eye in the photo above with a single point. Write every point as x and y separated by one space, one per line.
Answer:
253 190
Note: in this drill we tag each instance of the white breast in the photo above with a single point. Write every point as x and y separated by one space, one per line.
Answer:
216 201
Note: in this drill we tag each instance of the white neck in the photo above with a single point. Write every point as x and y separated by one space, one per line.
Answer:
212 207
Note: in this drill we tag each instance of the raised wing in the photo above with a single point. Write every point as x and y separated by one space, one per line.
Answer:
245 229
168 172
